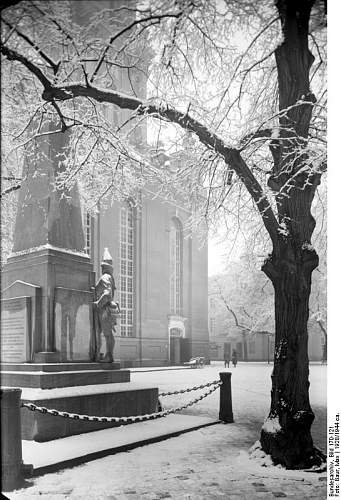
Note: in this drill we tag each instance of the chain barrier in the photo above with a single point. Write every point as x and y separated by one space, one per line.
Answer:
195 388
122 420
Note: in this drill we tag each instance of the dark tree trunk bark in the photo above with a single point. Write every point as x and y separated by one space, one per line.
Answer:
286 433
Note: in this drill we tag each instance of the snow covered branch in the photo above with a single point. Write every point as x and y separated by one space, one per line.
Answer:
231 156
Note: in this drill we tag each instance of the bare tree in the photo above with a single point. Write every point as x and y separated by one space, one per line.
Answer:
246 299
258 133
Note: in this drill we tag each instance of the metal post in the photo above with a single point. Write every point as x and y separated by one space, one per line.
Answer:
11 454
225 409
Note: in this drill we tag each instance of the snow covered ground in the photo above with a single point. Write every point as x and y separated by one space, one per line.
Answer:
209 463
251 384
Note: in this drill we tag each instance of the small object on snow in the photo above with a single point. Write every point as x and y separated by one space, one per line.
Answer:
195 362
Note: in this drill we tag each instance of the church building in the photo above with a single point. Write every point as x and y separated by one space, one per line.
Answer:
161 280
160 272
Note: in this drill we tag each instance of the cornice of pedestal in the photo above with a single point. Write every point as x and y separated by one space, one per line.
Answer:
47 246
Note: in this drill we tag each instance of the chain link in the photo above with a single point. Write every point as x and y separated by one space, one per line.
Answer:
195 388
121 420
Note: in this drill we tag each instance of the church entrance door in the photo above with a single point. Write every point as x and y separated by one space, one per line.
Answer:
175 350
185 350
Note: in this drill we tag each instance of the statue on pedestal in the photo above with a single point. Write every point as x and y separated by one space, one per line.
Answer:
106 310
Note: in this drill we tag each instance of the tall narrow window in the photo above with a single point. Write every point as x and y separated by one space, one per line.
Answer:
212 325
127 266
175 267
87 231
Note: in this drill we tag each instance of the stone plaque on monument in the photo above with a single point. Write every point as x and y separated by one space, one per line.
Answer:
73 323
15 329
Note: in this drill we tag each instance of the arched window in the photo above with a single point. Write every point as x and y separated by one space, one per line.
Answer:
127 267
175 243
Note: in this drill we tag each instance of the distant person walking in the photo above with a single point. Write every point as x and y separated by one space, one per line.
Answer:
227 359
234 358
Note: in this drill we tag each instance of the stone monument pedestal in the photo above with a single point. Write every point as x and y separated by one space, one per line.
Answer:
95 389
47 313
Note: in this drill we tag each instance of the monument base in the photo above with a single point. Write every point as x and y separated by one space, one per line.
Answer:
47 312
46 357
114 400
50 376
95 389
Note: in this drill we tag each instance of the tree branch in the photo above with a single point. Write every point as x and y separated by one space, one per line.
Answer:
42 54
65 33
10 189
231 156
64 127
322 328
125 30
259 134
12 55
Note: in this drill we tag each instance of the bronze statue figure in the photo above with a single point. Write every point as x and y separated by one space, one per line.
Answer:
106 310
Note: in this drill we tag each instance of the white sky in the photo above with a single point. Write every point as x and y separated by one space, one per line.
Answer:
216 260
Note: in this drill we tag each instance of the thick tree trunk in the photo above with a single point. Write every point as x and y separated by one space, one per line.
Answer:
286 433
